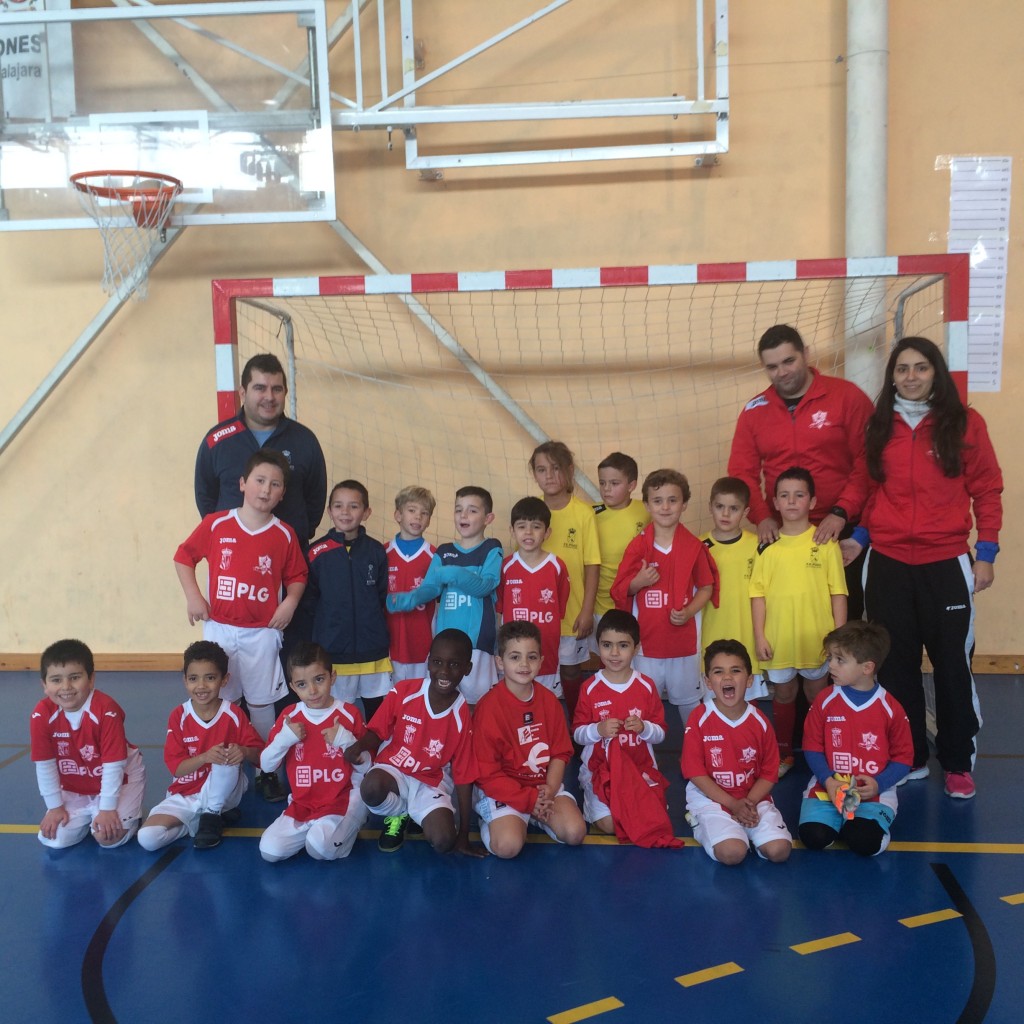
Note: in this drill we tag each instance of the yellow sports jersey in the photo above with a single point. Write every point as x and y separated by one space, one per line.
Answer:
574 539
616 527
731 619
797 579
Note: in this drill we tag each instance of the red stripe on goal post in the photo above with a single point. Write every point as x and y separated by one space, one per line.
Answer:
821 268
623 275
225 327
435 282
354 284
528 278
709 272
956 267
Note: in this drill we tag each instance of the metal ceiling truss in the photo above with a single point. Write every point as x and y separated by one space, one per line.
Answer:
399 111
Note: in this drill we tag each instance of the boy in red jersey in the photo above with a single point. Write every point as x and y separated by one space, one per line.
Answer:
409 557
90 777
207 741
522 747
325 812
731 760
859 730
534 585
257 575
618 720
424 752
665 578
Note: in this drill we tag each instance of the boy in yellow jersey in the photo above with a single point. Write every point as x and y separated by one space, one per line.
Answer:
620 517
734 550
797 595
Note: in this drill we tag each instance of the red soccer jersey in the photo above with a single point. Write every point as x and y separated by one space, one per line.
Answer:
734 754
538 595
80 753
682 570
411 632
188 735
859 741
318 773
514 742
600 699
248 570
421 743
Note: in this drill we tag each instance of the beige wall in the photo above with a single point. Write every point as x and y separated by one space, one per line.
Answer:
96 491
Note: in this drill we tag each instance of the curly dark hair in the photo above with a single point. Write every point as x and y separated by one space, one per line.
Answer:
948 412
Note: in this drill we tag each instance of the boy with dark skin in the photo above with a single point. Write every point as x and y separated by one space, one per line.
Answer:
427 751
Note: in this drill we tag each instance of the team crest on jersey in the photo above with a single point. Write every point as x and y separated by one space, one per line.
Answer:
837 737
869 741
570 539
225 557
716 757
435 748
547 596
371 576
819 420
331 752
527 717
756 403
635 712
748 755
299 751
63 748
263 565
517 595
528 734
88 752
410 734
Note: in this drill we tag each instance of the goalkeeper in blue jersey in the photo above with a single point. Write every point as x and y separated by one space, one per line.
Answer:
464 576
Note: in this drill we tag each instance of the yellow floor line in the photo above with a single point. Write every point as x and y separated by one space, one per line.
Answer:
709 974
922 919
829 942
586 1011
1014 900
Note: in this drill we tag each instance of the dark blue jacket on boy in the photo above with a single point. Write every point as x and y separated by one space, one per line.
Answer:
348 583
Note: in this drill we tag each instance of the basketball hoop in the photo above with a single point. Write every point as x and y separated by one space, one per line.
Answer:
131 209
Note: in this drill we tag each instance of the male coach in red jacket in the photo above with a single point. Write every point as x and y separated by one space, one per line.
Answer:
807 419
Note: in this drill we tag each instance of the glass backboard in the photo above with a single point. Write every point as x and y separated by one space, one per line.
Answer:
232 98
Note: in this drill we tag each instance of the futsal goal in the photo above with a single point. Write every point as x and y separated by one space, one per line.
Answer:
451 379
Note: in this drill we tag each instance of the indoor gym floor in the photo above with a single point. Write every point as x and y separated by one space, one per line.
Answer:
931 931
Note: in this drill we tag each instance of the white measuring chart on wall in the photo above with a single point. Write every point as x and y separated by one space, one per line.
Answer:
979 224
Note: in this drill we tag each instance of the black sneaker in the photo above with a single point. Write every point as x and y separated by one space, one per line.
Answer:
269 786
231 817
392 835
209 833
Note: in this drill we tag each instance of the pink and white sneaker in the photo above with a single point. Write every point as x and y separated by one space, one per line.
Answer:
959 785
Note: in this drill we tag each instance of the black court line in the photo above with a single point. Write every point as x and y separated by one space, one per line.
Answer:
984 984
93 990
14 757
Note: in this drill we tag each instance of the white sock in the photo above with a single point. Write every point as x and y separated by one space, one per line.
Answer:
156 837
262 718
390 807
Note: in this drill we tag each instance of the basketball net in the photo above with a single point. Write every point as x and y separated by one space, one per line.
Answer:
131 209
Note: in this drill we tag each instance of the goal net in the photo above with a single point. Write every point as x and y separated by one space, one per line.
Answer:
444 380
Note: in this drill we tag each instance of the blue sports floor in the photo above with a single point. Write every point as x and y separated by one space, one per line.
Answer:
932 931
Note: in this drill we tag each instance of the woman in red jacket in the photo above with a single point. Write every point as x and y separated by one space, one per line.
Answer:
931 463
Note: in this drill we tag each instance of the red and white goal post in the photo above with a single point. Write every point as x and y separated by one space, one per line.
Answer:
444 380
